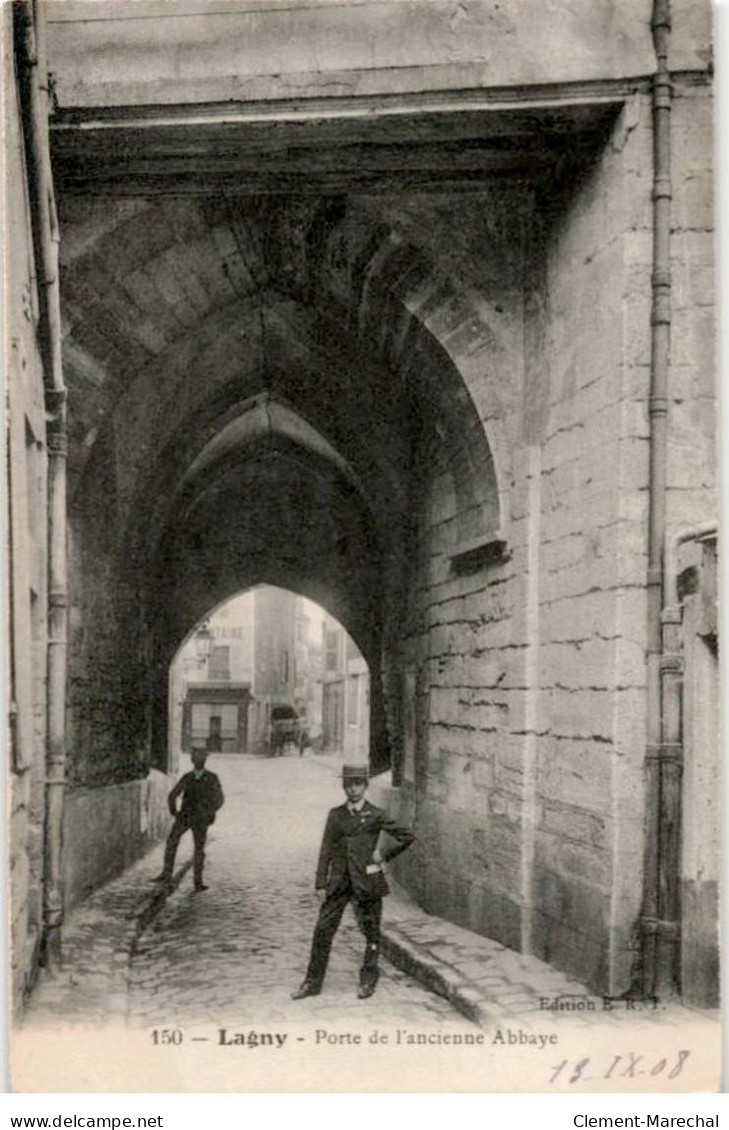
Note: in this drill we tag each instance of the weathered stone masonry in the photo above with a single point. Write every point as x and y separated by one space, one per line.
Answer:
25 526
529 684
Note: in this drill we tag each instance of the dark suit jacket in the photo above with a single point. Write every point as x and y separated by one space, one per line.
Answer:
201 797
347 847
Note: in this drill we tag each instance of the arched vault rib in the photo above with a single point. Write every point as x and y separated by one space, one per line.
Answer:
138 291
264 417
271 517
262 425
427 331
174 437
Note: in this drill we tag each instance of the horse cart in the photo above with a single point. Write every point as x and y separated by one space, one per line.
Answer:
288 731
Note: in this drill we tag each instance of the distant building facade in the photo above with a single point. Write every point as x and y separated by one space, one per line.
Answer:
211 683
274 675
345 694
257 655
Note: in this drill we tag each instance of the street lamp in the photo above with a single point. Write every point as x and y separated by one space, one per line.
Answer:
203 640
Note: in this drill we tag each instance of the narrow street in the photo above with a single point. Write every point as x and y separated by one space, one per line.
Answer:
239 948
217 968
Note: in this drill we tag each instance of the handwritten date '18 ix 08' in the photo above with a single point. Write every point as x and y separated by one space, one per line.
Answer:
628 1066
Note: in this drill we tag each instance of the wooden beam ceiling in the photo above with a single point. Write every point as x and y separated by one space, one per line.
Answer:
212 151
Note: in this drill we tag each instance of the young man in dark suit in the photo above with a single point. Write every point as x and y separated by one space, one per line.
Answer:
202 796
350 867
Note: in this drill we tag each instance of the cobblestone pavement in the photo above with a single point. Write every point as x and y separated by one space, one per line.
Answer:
238 949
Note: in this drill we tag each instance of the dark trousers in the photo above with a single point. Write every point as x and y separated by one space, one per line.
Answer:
199 831
369 917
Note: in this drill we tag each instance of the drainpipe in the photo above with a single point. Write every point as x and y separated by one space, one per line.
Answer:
47 257
665 971
659 926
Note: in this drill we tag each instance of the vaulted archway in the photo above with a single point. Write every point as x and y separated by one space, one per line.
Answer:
284 408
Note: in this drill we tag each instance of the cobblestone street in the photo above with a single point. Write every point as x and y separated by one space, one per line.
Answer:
230 956
239 948
233 953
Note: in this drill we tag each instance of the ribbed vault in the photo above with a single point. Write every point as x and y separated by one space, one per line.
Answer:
260 392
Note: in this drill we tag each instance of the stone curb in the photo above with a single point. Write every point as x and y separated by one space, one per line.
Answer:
144 915
440 978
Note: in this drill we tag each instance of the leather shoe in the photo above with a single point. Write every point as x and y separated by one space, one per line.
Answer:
306 990
201 887
367 988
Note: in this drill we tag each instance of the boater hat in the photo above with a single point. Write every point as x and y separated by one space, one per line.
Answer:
355 772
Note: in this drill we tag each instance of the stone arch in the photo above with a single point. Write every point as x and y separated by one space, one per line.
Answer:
250 524
262 419
394 303
262 422
349 325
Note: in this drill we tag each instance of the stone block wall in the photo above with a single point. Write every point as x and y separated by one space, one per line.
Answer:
527 770
590 438
511 672
465 655
693 418
526 690
26 590
107 722
107 829
297 52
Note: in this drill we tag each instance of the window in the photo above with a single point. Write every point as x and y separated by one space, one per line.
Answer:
219 663
332 650
352 700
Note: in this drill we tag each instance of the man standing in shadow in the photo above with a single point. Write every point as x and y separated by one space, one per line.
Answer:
202 796
350 867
